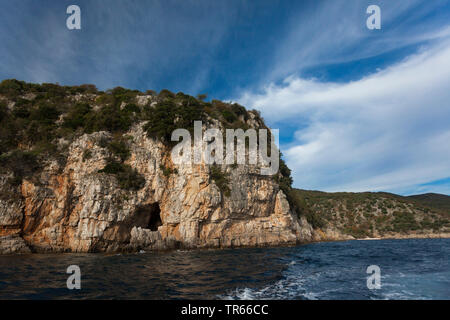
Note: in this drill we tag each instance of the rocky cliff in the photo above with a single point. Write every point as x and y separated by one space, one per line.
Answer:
90 171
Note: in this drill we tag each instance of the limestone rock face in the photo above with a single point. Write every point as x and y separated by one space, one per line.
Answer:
72 207
13 244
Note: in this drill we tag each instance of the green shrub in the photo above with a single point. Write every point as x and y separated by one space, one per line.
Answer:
239 110
45 114
77 116
127 177
202 96
220 179
161 121
219 104
229 116
299 204
356 232
54 91
166 116
188 113
314 219
3 111
130 179
21 112
167 171
131 107
11 87
284 178
120 95
112 167
87 154
151 93
404 221
108 118
84 88
119 148
21 163
105 99
164 93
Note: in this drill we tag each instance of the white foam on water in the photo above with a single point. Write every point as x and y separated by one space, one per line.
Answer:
291 287
401 295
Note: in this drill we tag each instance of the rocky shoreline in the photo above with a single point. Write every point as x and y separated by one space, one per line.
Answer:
320 236
15 245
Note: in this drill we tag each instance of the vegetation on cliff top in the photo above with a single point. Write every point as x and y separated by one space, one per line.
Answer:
34 118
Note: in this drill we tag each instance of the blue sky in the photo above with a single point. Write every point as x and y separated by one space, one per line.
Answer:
357 109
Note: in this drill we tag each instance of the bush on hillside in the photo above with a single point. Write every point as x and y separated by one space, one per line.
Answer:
220 179
127 177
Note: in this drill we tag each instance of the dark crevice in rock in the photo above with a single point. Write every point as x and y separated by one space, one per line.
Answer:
148 216
155 218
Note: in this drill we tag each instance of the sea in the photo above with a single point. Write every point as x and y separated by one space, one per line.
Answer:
404 269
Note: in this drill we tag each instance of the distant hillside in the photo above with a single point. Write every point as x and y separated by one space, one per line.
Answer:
434 200
374 214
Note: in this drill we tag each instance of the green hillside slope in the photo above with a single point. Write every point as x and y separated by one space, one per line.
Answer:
377 214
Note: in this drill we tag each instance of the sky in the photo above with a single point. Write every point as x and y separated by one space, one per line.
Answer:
357 109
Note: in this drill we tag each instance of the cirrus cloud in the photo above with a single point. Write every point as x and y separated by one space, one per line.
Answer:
387 131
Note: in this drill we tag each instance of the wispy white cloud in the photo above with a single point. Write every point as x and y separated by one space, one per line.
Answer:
137 44
333 32
387 131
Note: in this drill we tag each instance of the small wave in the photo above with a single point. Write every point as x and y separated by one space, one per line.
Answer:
401 295
278 291
291 287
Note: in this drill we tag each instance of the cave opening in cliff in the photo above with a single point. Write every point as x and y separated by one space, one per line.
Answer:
148 216
155 219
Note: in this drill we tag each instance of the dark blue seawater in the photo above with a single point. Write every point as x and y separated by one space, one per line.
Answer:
410 269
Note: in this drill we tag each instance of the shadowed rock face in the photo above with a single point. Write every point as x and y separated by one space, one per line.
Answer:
72 207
